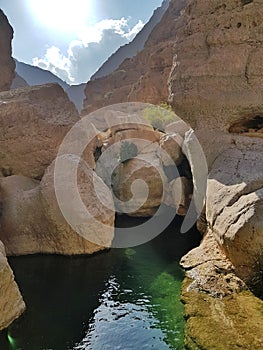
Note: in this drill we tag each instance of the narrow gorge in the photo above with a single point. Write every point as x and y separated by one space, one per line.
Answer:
165 163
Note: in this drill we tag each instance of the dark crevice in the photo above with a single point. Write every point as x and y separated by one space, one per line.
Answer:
248 125
246 2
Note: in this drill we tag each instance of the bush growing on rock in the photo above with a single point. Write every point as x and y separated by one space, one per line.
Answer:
159 116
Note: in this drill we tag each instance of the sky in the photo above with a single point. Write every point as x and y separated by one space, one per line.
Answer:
72 38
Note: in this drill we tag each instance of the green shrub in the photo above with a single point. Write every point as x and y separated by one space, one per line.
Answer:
159 116
128 151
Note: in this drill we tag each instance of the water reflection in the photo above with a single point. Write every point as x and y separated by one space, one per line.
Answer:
121 299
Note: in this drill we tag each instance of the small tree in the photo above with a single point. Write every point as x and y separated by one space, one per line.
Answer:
128 151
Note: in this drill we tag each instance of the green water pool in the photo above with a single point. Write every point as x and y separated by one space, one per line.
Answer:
127 299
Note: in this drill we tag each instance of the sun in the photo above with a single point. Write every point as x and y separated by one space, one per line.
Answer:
62 15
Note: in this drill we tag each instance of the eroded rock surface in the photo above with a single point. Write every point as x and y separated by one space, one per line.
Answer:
143 180
232 322
144 76
34 121
210 270
11 302
235 206
93 219
212 96
32 221
7 64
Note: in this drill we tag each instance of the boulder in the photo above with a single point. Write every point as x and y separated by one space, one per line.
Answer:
11 302
144 196
79 210
234 208
32 221
216 279
171 149
178 127
178 194
34 121
7 64
23 224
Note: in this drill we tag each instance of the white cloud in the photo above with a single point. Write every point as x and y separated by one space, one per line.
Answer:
55 61
131 34
89 50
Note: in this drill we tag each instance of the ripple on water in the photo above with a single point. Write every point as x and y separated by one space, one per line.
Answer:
115 324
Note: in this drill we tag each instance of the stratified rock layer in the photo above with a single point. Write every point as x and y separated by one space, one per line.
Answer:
7 64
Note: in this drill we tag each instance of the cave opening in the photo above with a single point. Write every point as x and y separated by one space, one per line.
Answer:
251 125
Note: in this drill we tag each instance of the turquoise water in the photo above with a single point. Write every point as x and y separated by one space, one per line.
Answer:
127 299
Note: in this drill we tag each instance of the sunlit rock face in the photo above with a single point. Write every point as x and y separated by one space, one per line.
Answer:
34 121
7 64
144 76
217 75
11 302
215 85
32 221
234 209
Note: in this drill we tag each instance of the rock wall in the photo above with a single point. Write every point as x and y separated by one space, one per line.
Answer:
217 75
214 85
144 76
136 45
7 64
11 302
34 121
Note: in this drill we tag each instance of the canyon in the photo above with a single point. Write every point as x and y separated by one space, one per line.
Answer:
204 60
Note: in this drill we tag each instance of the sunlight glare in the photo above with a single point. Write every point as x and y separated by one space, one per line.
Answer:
62 15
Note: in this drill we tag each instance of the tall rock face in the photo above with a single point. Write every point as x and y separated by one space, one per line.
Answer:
7 65
144 76
34 121
136 45
217 75
11 302
219 62
216 85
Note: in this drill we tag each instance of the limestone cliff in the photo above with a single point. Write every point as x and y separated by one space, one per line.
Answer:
34 121
136 45
11 302
209 55
144 76
215 85
7 65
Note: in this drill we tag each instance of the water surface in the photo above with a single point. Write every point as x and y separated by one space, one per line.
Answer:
127 299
